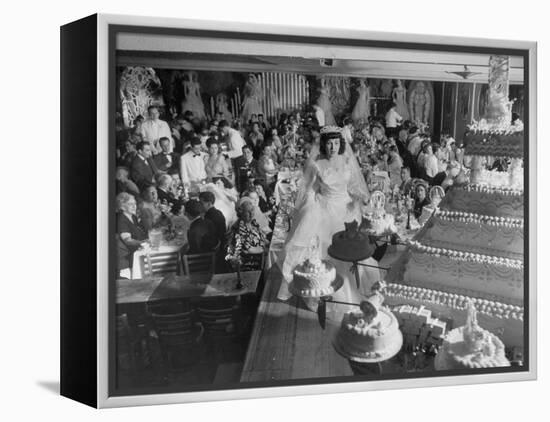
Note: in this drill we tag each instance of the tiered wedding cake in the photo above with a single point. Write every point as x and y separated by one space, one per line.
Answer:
471 250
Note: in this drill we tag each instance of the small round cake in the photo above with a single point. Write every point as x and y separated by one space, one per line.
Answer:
313 277
464 349
350 244
374 341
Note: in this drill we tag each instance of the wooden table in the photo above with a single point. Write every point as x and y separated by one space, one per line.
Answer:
288 342
177 287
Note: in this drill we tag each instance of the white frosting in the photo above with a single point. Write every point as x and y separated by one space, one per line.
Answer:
379 340
483 200
505 191
314 278
466 256
468 232
455 301
501 179
471 346
488 277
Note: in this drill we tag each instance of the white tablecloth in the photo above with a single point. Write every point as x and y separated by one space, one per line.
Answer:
165 247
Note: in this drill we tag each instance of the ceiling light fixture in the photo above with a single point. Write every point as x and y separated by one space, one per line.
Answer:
464 74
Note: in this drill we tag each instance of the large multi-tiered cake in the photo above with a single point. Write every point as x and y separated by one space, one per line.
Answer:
471 251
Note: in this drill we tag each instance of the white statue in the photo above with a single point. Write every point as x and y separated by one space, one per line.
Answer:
192 101
324 102
399 96
420 104
221 107
361 109
253 96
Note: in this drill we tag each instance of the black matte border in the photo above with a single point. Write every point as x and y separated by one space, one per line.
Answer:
78 266
115 29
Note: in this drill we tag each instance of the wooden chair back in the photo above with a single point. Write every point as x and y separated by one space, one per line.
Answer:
160 263
176 330
179 335
220 318
201 263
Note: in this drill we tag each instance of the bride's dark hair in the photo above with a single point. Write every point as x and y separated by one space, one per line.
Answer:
325 137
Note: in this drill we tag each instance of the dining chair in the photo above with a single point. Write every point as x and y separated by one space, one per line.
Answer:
221 318
201 263
160 263
179 335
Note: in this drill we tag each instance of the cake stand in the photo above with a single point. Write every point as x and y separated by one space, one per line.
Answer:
362 365
354 263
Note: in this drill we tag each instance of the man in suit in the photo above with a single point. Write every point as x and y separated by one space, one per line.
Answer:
193 163
246 168
202 233
153 129
213 214
167 159
143 170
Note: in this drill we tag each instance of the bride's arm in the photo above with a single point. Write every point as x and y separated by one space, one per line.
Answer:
309 183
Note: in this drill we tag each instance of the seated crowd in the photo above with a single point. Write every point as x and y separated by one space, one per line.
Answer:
220 177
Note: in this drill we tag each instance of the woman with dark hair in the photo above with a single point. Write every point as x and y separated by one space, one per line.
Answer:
332 193
217 164
421 199
267 166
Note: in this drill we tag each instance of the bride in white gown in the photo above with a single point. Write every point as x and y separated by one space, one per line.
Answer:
331 194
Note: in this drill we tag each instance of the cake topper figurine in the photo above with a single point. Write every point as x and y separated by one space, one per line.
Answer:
352 229
315 249
373 303
476 338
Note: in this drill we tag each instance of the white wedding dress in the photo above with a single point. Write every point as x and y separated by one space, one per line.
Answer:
323 206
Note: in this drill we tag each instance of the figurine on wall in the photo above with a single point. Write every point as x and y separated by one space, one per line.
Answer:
399 96
192 96
221 107
362 106
252 103
420 104
386 88
323 101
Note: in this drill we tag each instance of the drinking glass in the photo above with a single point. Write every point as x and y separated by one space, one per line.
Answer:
155 237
